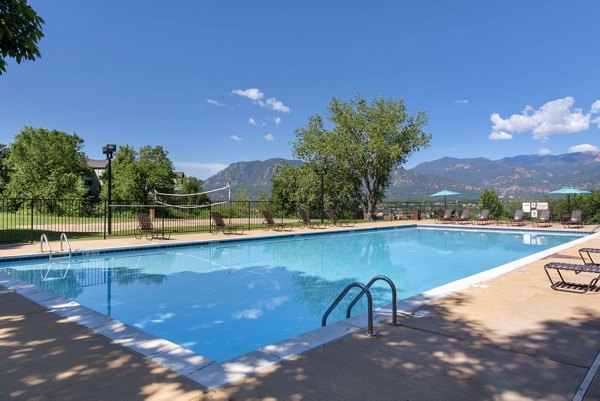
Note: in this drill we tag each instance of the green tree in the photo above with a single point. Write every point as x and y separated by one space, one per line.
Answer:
284 187
4 169
192 185
20 32
489 200
367 141
47 164
241 194
262 196
137 174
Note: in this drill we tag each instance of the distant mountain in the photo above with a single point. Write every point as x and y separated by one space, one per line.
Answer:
253 175
519 175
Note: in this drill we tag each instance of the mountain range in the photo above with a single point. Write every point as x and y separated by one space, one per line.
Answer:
525 175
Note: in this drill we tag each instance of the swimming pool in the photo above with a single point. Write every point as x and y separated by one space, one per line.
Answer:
228 298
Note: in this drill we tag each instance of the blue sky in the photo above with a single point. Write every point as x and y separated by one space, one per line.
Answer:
223 81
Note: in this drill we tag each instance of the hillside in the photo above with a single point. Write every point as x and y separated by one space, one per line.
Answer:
518 175
252 175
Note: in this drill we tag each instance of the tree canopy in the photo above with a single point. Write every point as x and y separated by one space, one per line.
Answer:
4 169
137 174
366 142
46 164
20 32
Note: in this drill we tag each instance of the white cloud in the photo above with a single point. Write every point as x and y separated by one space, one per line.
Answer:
253 94
269 137
554 117
274 104
461 101
499 136
544 152
596 110
584 147
235 138
256 96
214 102
278 121
199 170
251 121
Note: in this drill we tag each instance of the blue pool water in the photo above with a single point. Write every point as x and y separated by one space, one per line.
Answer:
225 299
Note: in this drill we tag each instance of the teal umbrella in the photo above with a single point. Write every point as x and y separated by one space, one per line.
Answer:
444 193
569 191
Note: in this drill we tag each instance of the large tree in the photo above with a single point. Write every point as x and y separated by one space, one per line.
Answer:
20 32
47 164
366 142
4 169
137 174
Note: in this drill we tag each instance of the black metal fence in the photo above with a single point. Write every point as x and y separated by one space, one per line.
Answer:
24 220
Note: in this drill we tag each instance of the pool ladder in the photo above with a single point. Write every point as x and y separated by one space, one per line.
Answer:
63 240
365 290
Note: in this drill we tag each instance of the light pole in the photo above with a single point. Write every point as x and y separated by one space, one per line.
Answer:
322 173
109 150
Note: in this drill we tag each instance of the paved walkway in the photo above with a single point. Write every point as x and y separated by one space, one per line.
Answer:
511 338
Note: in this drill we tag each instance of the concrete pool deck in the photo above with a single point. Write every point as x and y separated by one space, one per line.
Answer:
509 338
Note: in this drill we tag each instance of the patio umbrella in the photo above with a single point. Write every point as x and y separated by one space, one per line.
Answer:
569 191
444 193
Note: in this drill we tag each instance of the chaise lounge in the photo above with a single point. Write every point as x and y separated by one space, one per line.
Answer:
464 217
336 220
307 222
145 227
224 228
269 223
447 217
518 219
544 220
484 217
576 219
567 286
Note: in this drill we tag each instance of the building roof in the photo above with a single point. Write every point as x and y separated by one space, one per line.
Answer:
180 174
97 164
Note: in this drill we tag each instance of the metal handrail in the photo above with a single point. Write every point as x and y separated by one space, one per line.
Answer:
64 236
44 239
365 290
392 287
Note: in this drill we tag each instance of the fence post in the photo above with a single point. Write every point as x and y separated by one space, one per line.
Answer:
210 216
31 212
163 221
105 211
248 215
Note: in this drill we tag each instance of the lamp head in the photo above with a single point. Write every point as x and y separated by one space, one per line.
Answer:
108 150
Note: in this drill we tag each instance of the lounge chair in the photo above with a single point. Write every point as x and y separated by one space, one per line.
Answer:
269 223
221 226
336 220
562 285
586 256
576 219
307 222
544 219
518 219
484 217
448 216
145 227
464 217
